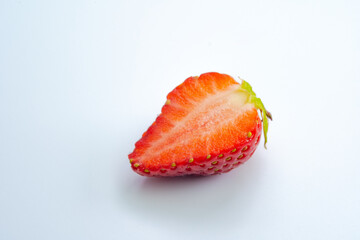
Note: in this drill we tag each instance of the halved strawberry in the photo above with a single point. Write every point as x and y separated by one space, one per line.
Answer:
208 125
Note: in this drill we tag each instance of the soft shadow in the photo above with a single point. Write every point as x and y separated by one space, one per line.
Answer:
194 199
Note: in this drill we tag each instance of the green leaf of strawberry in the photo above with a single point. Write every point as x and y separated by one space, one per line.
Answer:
259 105
208 125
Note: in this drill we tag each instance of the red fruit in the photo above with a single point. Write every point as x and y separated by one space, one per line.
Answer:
208 125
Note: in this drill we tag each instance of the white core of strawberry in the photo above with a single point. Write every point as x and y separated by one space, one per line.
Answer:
214 111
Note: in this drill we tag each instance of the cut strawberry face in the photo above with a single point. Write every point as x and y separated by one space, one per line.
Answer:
208 125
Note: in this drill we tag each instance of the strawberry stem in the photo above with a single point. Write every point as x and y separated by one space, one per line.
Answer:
259 105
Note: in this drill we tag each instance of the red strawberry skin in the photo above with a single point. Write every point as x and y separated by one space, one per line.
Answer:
201 130
216 164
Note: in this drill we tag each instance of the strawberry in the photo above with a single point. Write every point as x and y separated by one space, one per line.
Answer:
208 125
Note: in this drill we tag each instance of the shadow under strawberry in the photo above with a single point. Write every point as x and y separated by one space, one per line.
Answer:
195 201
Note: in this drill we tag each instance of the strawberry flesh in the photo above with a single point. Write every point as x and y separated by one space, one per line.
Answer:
207 126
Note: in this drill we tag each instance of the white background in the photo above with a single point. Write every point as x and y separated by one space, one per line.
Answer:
80 81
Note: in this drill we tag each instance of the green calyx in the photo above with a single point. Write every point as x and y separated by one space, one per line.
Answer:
245 86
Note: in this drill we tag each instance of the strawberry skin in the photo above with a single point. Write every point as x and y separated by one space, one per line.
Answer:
208 125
